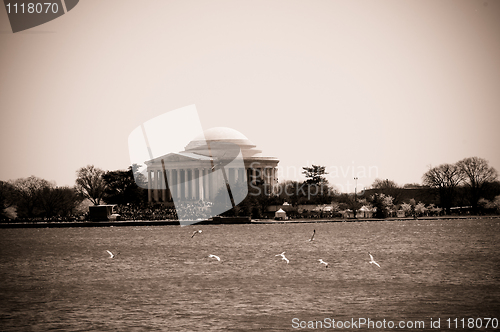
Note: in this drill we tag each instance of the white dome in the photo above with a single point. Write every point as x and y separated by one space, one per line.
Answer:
220 134
227 135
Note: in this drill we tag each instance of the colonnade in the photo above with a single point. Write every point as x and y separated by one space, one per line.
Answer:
200 183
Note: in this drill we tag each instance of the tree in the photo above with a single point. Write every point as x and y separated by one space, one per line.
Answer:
383 204
388 188
121 187
382 184
29 191
90 183
444 178
420 209
349 201
315 189
314 174
50 198
476 173
69 202
287 191
254 204
7 198
494 204
59 201
140 178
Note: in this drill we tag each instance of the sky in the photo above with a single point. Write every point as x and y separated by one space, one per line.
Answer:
368 89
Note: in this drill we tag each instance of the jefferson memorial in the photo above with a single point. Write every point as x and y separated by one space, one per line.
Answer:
220 156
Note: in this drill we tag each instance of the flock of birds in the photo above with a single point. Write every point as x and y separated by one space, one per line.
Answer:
321 261
282 255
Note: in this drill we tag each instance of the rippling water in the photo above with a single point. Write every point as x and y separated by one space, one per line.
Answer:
62 278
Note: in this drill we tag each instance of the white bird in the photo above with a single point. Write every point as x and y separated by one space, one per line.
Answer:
195 232
213 256
111 254
283 257
323 262
372 261
312 237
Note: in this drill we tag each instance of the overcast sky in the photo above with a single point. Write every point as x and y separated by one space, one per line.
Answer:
366 88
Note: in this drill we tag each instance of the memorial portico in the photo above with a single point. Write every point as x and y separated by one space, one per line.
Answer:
191 174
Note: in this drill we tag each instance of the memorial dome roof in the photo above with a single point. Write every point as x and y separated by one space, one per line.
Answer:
220 134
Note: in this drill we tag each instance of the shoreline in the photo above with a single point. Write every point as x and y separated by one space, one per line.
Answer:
255 222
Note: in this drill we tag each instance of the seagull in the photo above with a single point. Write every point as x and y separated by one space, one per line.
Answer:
323 262
372 261
283 257
312 237
111 255
195 232
213 256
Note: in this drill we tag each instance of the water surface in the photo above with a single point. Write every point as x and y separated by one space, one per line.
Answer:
162 279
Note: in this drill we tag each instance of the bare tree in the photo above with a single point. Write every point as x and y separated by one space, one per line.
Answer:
444 178
59 201
382 184
29 192
476 173
388 188
90 183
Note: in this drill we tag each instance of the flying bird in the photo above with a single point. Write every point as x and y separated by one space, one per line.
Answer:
283 257
372 261
111 255
213 256
323 262
312 237
195 232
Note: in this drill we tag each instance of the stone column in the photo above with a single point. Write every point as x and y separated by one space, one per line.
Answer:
158 185
193 184
163 187
178 183
273 174
235 171
206 184
185 185
171 183
149 186
211 184
168 184
241 174
200 184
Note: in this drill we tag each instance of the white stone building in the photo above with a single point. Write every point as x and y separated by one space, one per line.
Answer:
219 156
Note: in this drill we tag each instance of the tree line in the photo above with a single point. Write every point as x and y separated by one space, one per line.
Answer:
471 177
34 198
470 181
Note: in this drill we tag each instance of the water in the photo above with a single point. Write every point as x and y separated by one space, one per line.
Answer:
63 279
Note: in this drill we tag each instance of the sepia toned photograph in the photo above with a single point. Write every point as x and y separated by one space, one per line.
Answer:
228 165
